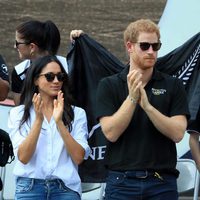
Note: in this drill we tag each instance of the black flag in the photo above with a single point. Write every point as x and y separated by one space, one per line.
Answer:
184 63
89 62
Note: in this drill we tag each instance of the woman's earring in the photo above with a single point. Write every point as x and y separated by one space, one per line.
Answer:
32 53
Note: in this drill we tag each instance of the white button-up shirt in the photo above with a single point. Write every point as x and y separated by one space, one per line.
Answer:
50 159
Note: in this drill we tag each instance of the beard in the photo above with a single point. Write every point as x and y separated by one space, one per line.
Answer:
146 63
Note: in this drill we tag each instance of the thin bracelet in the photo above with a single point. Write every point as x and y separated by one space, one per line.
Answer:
133 100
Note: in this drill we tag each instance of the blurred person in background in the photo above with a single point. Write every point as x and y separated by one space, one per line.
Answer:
194 131
33 39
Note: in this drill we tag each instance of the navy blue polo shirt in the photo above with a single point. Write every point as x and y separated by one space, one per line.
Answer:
142 146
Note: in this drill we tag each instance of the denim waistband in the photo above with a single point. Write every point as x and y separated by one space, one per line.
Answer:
36 180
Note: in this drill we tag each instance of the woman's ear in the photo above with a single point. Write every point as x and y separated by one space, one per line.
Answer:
33 49
36 81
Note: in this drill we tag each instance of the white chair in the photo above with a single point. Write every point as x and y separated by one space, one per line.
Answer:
188 178
93 191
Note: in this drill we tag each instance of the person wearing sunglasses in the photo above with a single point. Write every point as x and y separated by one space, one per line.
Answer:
49 135
4 79
33 39
143 114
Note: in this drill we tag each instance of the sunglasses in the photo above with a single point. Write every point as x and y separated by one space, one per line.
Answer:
50 76
18 43
146 45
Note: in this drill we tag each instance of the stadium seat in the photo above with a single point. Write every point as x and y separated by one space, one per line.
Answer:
188 178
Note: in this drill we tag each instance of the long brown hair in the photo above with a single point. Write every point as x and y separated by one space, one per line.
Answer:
30 88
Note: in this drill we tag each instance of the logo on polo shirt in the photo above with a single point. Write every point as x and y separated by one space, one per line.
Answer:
158 91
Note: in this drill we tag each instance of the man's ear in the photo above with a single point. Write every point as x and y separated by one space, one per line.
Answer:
129 47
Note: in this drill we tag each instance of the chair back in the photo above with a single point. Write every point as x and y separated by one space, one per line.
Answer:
188 178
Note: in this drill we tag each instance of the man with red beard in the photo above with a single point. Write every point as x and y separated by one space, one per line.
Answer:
142 113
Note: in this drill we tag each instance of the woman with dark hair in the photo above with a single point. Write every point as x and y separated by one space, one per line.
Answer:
34 39
49 135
